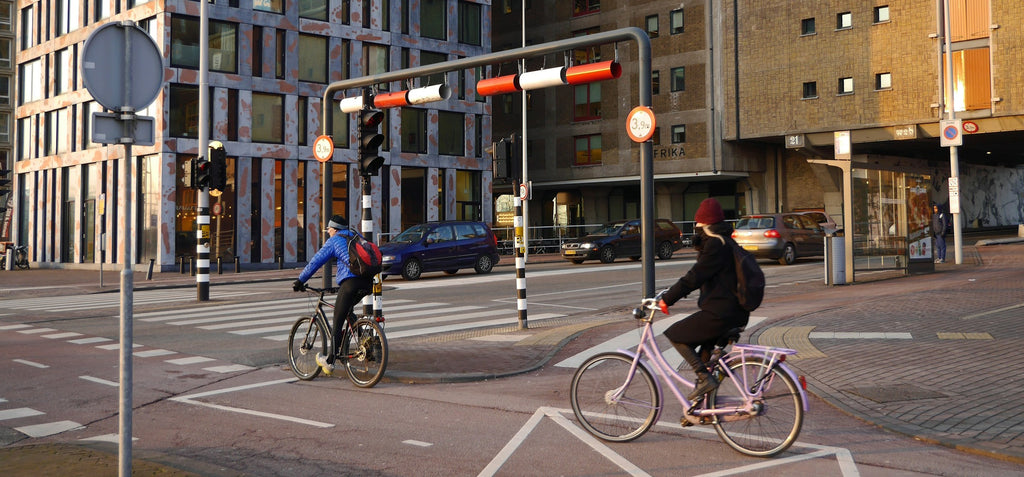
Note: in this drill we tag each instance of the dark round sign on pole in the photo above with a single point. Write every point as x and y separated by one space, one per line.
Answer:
122 66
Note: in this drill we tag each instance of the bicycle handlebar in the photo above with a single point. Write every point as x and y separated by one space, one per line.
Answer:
322 291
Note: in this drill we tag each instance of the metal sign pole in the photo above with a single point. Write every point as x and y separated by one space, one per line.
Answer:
954 160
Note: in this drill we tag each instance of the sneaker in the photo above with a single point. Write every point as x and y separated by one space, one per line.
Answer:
322 361
705 384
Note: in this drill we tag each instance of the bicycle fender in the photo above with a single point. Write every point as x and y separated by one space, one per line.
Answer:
657 380
780 365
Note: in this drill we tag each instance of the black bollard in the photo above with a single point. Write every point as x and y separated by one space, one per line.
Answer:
280 262
181 264
192 266
238 268
149 274
220 267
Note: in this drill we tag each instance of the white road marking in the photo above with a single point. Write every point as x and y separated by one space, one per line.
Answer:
228 368
18 326
18 413
417 443
35 331
31 363
96 339
112 438
49 429
57 336
154 352
191 399
189 360
100 381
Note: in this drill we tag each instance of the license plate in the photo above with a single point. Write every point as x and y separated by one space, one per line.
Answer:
750 247
570 252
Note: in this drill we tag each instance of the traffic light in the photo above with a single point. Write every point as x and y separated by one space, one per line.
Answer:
188 172
500 151
369 142
218 168
201 179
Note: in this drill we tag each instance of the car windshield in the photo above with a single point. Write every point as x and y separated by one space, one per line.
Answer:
609 229
756 223
411 235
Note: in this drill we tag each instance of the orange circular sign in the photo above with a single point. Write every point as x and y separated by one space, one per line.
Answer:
323 148
640 124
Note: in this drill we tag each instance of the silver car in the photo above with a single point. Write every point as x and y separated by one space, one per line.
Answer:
782 237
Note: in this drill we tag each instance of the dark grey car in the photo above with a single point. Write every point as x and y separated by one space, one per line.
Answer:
782 237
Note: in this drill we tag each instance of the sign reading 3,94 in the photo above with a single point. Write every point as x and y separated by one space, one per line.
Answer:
640 124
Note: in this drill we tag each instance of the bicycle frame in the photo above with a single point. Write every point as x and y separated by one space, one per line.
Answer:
656 363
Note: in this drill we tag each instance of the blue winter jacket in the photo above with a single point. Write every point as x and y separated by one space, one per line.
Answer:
337 247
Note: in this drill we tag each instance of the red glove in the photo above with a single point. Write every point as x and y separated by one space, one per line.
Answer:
663 306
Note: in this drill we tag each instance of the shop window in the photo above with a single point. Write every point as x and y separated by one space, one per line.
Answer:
451 133
313 58
588 150
675 21
470 15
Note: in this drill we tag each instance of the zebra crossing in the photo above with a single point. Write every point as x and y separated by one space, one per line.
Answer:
53 304
272 320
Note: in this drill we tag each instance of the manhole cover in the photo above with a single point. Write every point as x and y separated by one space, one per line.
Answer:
894 393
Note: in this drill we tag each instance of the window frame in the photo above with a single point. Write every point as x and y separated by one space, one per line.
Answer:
844 21
451 133
883 77
675 28
809 90
276 118
844 86
808 27
877 14
589 138
470 33
677 78
678 133
585 7
319 75
652 33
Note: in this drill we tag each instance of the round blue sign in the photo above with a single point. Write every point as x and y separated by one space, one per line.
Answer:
950 132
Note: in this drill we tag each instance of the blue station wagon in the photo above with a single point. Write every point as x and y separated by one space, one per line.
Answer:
440 247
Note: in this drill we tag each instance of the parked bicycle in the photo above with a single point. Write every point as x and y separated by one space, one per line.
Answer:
364 348
757 409
20 254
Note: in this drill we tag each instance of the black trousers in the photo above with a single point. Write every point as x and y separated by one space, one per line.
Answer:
701 329
350 292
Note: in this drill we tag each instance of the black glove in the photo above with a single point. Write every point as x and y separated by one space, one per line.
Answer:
298 285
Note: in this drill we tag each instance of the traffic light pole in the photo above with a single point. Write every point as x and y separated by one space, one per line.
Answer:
372 304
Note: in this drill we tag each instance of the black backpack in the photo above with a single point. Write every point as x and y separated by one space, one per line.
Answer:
749 277
364 257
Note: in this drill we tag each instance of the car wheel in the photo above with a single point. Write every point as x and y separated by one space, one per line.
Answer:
412 269
452 271
577 261
665 250
484 264
788 255
607 255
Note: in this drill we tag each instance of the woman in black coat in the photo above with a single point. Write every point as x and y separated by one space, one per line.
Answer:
715 275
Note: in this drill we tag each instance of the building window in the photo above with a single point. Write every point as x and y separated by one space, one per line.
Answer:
66 16
845 86
314 9
279 53
651 26
675 21
339 128
678 79
429 58
588 150
882 14
28 28
268 118
678 134
6 12
433 19
414 130
313 58
655 82
5 90
5 132
6 51
810 90
470 19
302 107
275 6
63 72
101 9
972 89
844 20
29 85
468 196
656 138
257 51
588 102
375 59
185 44
807 26
451 133
883 81
585 7
184 111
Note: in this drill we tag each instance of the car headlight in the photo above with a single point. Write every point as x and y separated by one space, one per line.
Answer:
586 245
387 258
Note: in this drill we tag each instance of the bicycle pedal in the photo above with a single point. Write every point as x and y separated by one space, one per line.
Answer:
685 422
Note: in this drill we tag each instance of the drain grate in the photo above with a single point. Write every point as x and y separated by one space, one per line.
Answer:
895 393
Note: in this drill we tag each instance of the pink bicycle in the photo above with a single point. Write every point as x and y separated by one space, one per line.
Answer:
757 410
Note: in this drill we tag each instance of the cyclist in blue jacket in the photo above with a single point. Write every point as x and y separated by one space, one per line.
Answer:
351 288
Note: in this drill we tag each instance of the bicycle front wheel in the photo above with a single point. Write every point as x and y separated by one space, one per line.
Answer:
365 353
304 342
610 402
778 409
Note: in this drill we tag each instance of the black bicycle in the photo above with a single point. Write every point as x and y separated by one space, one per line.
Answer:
364 348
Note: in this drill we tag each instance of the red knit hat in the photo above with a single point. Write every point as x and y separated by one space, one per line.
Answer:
709 212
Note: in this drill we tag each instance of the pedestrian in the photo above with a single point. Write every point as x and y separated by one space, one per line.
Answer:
939 223
720 310
351 287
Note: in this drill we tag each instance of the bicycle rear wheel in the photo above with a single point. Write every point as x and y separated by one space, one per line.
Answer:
365 353
779 411
304 342
609 402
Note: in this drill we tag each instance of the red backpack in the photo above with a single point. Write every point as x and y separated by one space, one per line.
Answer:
364 257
